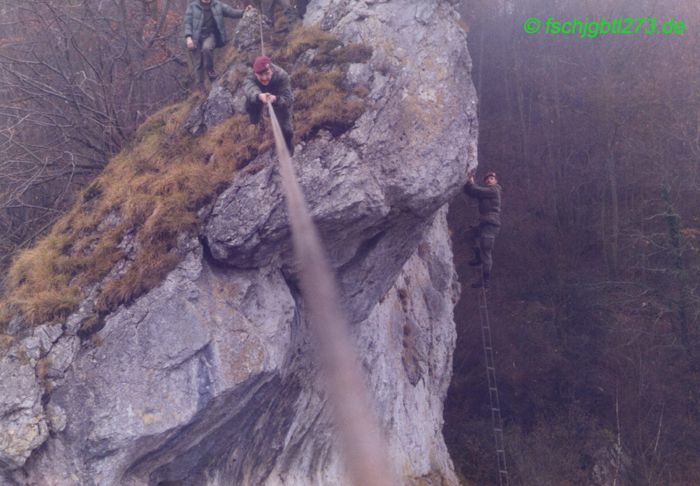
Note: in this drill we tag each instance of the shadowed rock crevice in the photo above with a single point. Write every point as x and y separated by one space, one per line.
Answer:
237 436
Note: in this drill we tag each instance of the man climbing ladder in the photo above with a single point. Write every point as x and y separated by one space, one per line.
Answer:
483 236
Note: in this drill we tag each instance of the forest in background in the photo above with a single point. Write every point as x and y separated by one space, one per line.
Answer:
76 80
595 307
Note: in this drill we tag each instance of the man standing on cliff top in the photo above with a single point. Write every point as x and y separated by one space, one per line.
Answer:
204 31
269 83
483 236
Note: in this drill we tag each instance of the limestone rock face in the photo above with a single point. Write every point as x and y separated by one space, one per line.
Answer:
22 425
210 378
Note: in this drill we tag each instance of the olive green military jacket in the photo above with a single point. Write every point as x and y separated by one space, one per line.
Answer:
194 17
489 198
280 86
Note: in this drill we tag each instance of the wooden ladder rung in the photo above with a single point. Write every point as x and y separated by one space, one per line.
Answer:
496 420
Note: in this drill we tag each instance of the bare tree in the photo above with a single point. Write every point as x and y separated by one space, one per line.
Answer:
76 78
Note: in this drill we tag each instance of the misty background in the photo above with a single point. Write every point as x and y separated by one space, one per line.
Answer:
595 311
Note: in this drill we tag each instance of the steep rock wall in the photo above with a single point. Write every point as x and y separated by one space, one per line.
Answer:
208 378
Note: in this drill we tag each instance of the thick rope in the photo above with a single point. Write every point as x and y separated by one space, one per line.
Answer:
361 443
260 21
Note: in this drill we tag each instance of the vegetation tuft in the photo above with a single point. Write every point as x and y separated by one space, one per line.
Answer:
125 225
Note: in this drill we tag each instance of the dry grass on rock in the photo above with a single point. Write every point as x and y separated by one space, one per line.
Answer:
131 216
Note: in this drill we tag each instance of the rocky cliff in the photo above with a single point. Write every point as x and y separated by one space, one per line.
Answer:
206 379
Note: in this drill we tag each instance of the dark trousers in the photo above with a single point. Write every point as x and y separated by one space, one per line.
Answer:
482 238
284 116
203 58
270 8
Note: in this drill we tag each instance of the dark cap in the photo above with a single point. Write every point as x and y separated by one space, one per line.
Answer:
490 174
261 64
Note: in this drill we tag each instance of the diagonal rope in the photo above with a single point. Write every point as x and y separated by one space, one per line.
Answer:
361 443
260 21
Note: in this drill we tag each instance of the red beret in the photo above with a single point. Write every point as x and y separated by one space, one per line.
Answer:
261 64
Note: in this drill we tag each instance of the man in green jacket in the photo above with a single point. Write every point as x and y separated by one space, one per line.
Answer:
483 236
269 83
204 31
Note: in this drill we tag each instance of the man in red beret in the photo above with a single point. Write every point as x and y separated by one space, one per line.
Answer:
483 236
269 83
